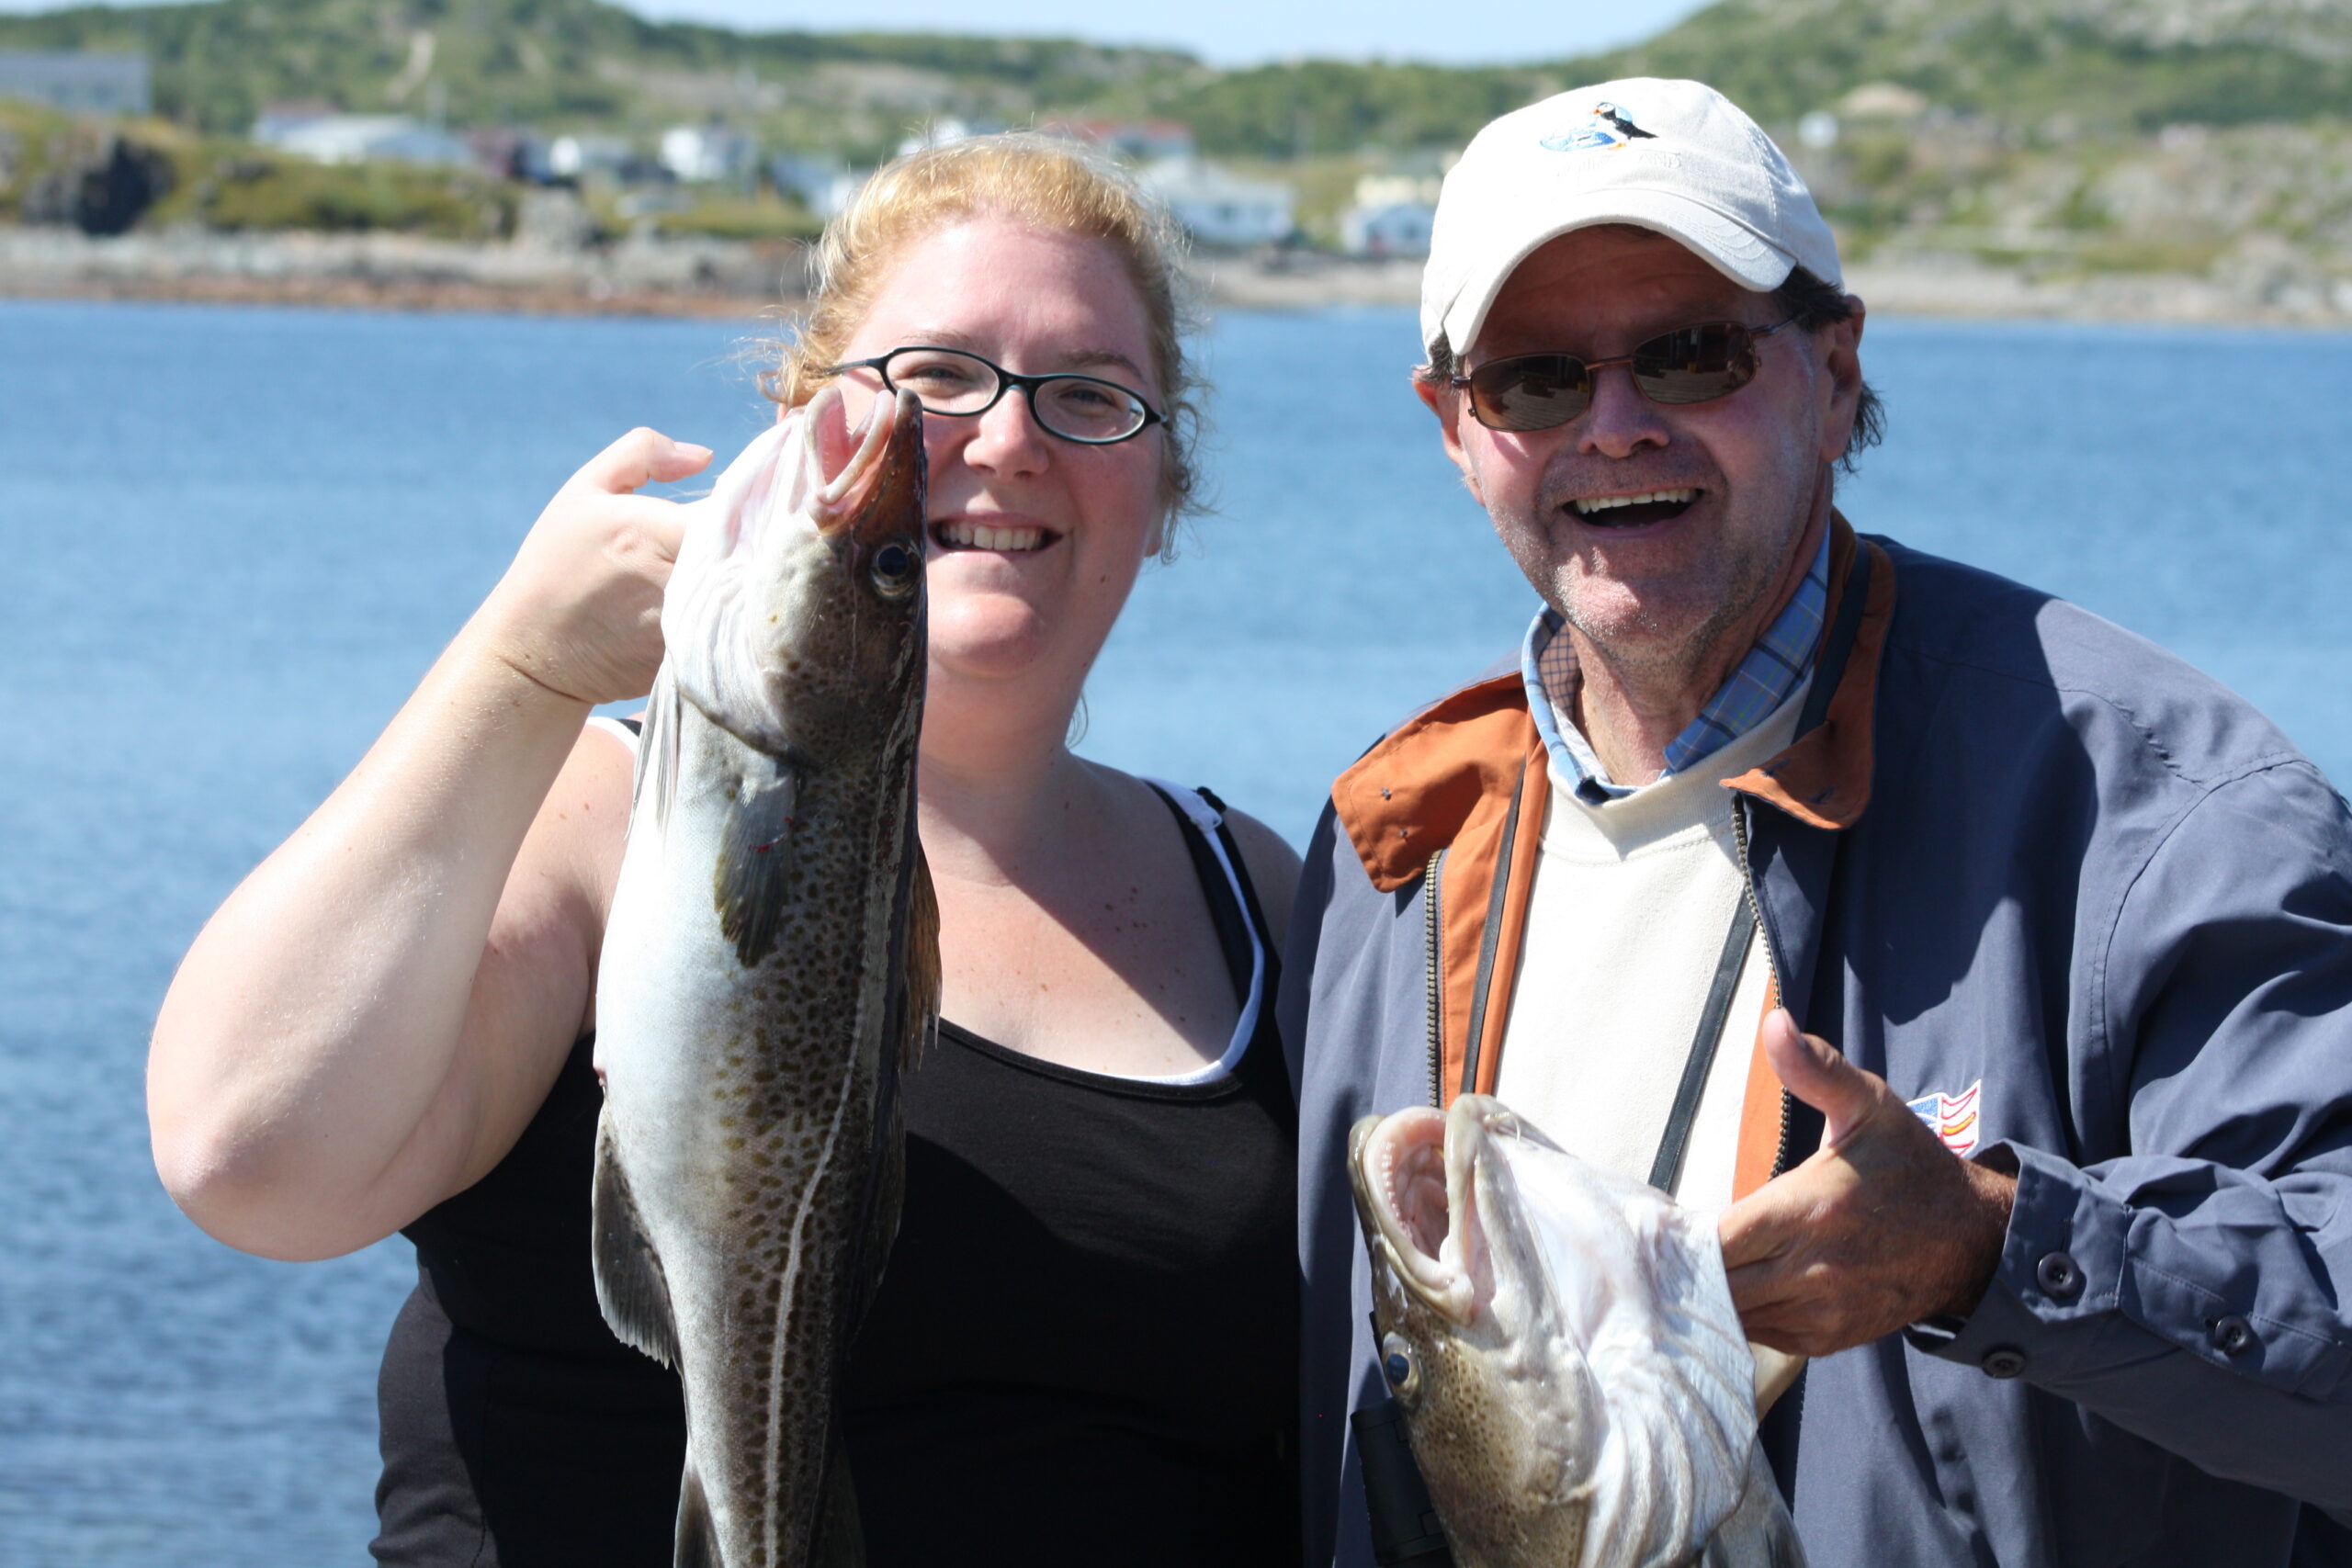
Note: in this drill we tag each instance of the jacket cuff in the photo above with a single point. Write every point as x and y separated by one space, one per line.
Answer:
2063 1261
2068 1259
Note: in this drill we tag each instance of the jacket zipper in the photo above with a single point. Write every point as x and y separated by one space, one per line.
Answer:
1430 926
1781 1153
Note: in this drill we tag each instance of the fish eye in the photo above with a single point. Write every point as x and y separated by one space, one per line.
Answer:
896 568
1401 1365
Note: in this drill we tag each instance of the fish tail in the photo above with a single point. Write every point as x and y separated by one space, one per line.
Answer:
840 1540
697 1533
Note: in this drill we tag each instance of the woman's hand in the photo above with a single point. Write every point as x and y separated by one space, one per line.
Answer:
370 1021
579 610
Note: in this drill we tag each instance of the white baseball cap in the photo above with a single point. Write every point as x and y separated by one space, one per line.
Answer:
1678 157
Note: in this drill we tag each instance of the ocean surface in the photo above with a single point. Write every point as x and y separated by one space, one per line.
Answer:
234 538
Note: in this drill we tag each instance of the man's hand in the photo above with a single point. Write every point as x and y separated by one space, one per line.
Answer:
1881 1227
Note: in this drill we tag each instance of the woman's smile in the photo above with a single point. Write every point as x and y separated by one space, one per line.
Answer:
1005 533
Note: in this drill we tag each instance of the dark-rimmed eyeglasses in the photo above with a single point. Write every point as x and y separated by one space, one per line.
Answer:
1084 409
1688 365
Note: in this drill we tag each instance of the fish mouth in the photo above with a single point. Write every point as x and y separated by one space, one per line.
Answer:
1415 1180
873 472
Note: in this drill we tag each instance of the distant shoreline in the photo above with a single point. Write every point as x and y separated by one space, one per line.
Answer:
724 280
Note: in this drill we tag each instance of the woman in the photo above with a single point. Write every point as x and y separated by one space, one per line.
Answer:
387 1026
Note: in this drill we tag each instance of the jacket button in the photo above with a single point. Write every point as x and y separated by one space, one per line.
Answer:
2060 1279
2233 1336
2003 1361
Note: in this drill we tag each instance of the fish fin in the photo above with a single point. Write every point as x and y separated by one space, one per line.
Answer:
754 869
657 753
629 1286
698 1532
840 1538
923 966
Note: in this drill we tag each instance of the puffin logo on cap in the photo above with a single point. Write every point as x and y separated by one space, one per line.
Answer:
1610 127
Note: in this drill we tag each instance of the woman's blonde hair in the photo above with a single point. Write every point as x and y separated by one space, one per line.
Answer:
1056 186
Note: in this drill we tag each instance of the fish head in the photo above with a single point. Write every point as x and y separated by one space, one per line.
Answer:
1561 1340
793 616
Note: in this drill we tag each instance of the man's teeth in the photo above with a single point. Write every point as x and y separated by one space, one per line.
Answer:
979 537
1648 498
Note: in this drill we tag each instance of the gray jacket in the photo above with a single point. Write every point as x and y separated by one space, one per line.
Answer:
2015 846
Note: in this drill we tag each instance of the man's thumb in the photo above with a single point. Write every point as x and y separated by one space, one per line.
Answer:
1815 1074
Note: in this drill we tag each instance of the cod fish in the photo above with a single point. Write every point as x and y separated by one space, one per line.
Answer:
1575 1385
770 966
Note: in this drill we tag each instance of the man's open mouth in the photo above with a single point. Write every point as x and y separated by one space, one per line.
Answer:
966 535
1633 511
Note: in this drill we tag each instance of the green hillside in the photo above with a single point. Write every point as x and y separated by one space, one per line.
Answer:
575 63
2092 65
2076 65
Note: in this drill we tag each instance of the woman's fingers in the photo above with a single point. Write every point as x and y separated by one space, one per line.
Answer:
641 457
579 611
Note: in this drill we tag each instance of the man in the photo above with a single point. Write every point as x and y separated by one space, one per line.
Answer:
2056 1184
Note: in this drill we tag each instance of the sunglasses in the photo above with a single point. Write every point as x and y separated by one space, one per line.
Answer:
1690 365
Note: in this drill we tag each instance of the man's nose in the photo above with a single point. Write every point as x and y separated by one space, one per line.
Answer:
1621 421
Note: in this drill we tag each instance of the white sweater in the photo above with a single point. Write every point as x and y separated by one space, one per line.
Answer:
1626 921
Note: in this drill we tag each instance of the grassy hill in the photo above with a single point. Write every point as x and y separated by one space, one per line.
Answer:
2095 66
2076 65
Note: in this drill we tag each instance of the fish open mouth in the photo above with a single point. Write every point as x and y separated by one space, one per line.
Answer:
849 464
1417 1186
1636 511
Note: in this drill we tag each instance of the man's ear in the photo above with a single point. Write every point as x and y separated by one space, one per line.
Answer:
1438 398
1841 348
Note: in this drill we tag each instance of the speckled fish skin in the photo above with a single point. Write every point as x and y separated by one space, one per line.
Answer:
770 964
1575 1384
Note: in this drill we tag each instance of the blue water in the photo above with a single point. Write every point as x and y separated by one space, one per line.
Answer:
234 539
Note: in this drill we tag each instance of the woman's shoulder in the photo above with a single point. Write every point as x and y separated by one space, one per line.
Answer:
1271 865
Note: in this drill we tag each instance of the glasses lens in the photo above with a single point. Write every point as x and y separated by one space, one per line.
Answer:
1084 409
1696 363
1532 392
943 380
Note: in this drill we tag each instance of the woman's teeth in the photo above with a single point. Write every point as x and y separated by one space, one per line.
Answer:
981 536
1604 504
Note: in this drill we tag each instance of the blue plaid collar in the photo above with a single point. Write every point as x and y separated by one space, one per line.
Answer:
1763 681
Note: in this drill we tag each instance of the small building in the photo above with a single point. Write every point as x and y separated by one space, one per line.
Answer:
824 185
1143 141
609 159
76 81
705 154
946 130
367 138
1218 208
1397 229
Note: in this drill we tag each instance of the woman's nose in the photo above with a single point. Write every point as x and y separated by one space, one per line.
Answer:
1006 437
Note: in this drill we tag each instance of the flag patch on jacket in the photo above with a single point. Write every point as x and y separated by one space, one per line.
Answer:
1952 1117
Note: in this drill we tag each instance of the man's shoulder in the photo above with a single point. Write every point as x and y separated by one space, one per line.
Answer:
1961 627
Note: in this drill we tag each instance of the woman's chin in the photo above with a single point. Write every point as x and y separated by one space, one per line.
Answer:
998 641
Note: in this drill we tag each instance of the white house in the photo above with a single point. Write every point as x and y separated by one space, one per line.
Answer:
824 185
705 154
1221 208
578 157
1397 229
367 138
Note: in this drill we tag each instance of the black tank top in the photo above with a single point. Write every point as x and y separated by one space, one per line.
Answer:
1084 1349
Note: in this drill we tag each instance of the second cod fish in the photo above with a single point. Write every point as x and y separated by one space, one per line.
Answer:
1575 1385
770 964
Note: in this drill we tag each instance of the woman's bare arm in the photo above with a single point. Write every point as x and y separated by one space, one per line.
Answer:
371 1019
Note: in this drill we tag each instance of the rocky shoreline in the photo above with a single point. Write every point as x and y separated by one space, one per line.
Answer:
645 275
